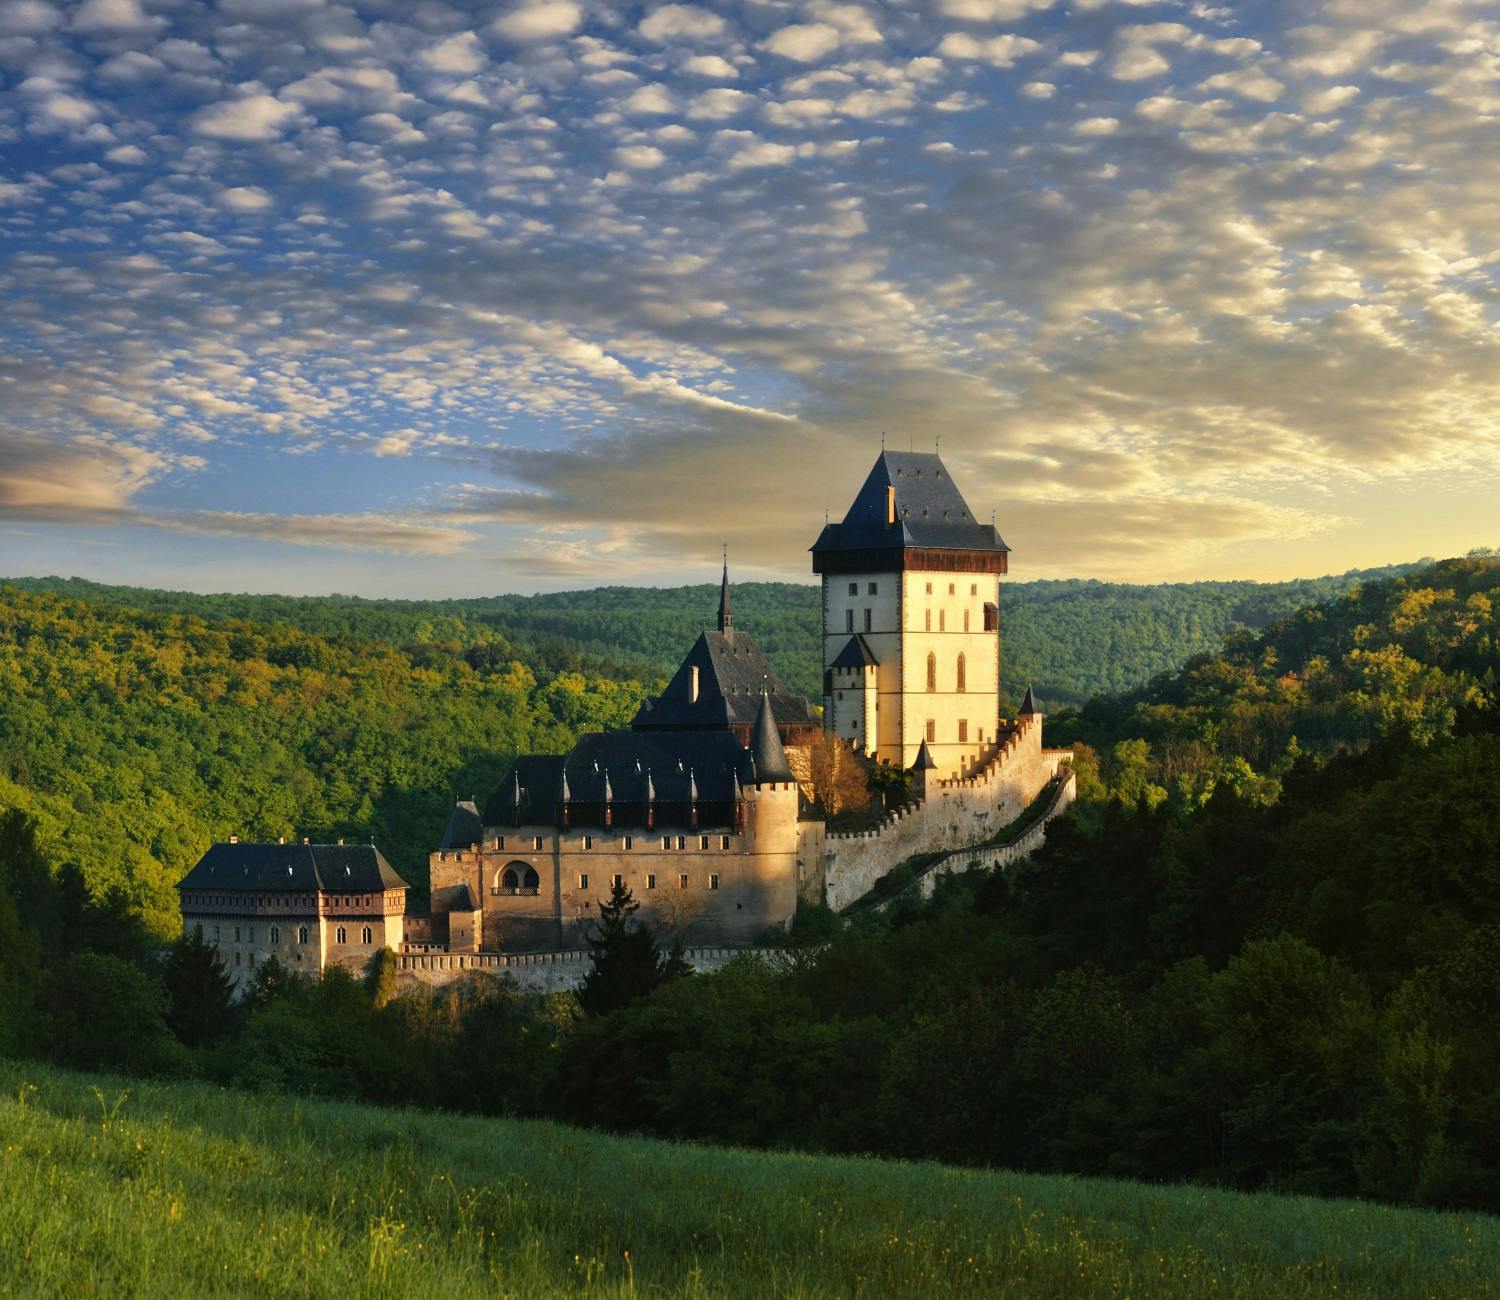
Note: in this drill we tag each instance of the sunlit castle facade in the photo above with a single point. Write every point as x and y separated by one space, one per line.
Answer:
911 619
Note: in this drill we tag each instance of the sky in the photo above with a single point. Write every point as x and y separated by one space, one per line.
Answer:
413 298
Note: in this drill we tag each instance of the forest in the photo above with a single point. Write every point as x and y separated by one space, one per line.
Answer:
1071 639
1261 952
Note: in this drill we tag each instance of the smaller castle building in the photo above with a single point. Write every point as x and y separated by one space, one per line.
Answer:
310 906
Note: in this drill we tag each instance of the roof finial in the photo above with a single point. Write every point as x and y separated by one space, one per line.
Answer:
882 440
937 445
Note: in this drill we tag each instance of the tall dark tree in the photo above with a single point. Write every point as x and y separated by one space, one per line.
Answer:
626 964
200 991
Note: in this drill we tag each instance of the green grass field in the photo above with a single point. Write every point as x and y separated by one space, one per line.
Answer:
117 1187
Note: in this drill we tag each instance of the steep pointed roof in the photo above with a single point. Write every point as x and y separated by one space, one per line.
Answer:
855 654
923 761
464 828
766 751
298 868
732 673
1029 705
726 615
930 511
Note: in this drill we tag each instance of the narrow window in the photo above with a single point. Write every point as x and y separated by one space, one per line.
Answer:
973 589
666 841
301 934
963 673
867 620
928 628
629 842
616 879
252 934
340 935
682 841
848 620
929 588
931 730
724 842
703 842
500 842
991 618
536 843
854 588
942 620
713 882
583 880
682 881
588 841
650 880
950 589
963 730
236 934
966 620
275 934
367 935
873 589
932 672
236 957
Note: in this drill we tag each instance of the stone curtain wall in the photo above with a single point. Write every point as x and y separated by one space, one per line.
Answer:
956 814
547 972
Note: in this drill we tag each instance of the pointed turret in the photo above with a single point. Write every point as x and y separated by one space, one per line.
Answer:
766 752
1029 705
924 773
924 760
515 797
726 617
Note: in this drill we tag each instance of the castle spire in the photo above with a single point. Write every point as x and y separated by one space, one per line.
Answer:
726 617
1029 704
766 752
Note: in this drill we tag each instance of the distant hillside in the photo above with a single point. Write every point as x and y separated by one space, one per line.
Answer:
1071 639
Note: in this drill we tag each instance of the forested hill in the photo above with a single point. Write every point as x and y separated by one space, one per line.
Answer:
137 738
1071 639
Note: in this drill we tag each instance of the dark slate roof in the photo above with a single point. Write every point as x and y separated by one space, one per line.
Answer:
923 760
463 828
726 614
305 868
930 511
462 900
732 672
766 752
671 761
855 654
1029 704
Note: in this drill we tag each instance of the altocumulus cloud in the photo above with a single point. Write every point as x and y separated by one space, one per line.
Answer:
602 284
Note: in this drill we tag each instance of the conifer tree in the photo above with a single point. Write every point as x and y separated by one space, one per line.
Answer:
626 965
199 988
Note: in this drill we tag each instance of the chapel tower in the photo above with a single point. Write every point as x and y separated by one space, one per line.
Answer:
911 618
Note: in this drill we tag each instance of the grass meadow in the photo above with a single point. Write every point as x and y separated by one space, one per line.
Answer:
122 1187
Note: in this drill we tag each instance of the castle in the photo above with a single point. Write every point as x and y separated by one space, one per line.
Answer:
696 807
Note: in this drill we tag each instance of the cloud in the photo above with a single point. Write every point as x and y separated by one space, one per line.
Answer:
28 18
85 480
113 18
803 42
251 118
544 21
680 22
998 51
710 66
356 532
244 198
461 54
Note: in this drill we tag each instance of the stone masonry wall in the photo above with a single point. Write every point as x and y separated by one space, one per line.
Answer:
545 972
954 815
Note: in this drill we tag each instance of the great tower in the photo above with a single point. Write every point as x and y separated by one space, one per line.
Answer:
911 618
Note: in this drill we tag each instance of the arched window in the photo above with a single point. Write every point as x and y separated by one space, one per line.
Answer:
932 672
341 935
367 935
518 878
301 934
963 673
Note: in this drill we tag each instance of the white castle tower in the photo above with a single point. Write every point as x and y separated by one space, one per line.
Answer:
911 618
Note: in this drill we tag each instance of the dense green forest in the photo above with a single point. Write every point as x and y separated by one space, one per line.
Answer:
1263 950
1071 639
136 738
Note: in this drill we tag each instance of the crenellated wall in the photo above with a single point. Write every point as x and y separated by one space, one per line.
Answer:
954 814
546 972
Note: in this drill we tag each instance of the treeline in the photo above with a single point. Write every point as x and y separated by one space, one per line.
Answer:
136 739
1071 639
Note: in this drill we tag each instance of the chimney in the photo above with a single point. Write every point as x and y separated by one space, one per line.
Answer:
234 839
281 839
890 504
693 684
304 839
341 839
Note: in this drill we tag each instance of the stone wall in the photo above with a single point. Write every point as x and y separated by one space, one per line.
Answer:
953 815
546 972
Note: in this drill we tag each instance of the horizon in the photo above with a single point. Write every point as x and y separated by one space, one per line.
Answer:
443 298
